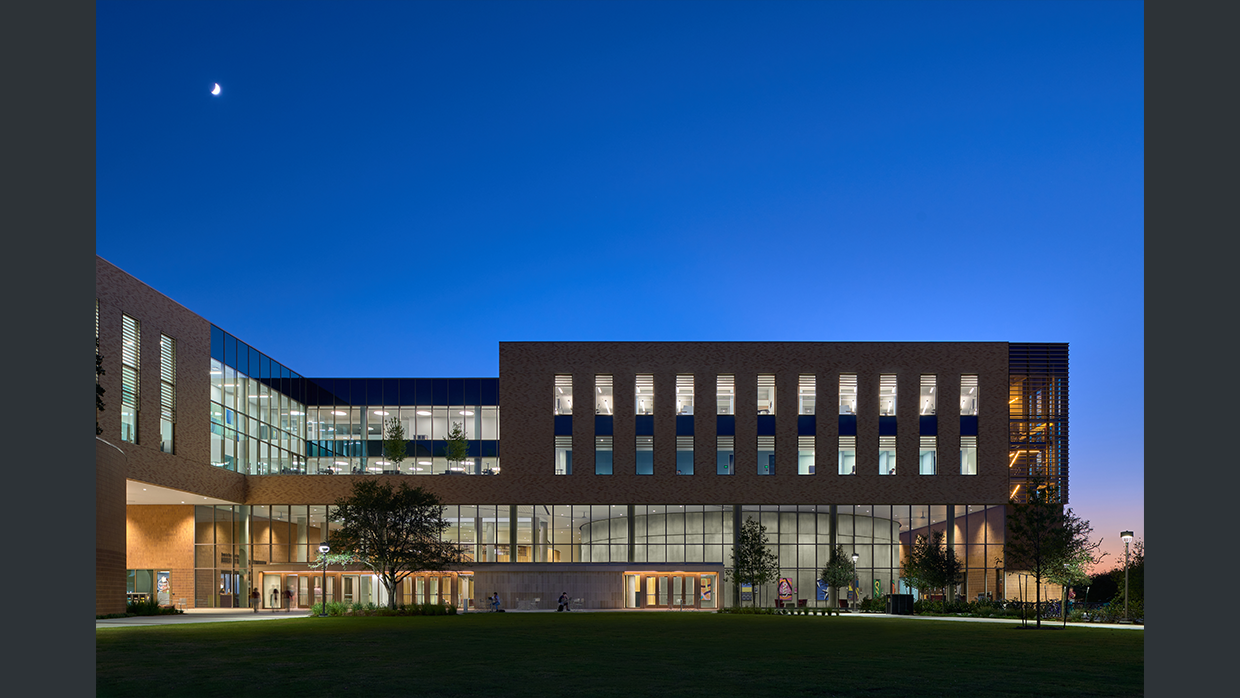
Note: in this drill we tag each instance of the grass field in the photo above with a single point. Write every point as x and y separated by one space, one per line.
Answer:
617 654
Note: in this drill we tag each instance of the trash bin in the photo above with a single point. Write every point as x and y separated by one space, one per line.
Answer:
900 604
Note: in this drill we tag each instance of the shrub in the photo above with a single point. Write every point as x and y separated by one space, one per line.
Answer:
149 607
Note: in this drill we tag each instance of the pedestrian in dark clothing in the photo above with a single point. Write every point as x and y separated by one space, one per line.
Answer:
563 602
275 599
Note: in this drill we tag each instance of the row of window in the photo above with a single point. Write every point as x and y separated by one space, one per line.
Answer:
725 394
131 382
725 455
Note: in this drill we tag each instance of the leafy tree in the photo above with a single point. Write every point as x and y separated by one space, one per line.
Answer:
931 564
1048 540
394 443
752 561
393 532
99 389
456 446
840 570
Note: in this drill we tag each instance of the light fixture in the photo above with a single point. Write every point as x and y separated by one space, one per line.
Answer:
340 462
338 413
381 413
467 413
424 462
423 413
561 390
297 414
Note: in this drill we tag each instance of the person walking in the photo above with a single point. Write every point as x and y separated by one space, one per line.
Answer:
255 598
275 599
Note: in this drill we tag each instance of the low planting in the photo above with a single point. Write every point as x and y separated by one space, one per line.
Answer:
336 608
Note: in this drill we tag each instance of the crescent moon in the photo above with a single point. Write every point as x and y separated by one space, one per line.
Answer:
216 90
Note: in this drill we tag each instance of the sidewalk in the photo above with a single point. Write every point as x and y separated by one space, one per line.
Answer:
200 615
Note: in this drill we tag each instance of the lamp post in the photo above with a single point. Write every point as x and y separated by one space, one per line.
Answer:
854 570
1127 538
324 548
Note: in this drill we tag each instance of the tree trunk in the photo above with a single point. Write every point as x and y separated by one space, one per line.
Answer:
1037 600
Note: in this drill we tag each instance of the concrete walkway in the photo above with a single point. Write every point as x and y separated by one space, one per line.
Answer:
220 615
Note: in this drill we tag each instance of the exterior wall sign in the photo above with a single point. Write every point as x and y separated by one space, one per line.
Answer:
785 589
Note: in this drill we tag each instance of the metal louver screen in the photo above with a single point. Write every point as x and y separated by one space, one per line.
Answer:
168 378
129 362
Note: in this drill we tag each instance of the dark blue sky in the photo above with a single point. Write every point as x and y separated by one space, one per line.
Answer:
390 189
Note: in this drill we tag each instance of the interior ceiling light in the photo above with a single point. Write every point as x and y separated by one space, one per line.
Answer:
381 413
424 413
467 413
338 413
424 462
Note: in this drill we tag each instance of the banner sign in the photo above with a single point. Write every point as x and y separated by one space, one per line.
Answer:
824 592
707 587
878 588
746 592
785 589
163 588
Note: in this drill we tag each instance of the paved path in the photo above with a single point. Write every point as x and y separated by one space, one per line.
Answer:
220 615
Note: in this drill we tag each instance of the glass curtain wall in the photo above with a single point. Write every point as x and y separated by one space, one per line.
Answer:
255 429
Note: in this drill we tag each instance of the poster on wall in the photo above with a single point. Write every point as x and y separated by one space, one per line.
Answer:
824 592
163 588
708 586
878 588
785 589
746 592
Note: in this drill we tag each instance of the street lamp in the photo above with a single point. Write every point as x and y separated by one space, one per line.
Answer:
324 548
1127 538
858 591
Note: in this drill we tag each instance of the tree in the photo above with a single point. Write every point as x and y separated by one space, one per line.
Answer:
931 564
395 445
752 561
456 446
99 389
1048 540
393 532
840 570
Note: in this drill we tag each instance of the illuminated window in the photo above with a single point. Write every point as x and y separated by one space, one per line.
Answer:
602 455
968 395
886 455
848 393
684 455
925 461
887 394
805 455
645 455
563 455
604 400
927 397
848 455
766 455
725 455
725 395
563 394
968 455
644 394
684 394
167 392
806 394
766 393
130 382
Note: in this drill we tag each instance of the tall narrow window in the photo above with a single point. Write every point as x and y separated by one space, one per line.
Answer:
886 455
684 455
926 459
684 394
805 455
848 455
806 394
130 384
563 455
887 394
563 394
603 397
167 392
968 455
766 455
725 455
725 395
968 395
645 455
644 394
602 455
927 397
766 393
848 393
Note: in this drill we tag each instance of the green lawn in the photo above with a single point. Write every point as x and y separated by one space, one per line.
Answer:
617 654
